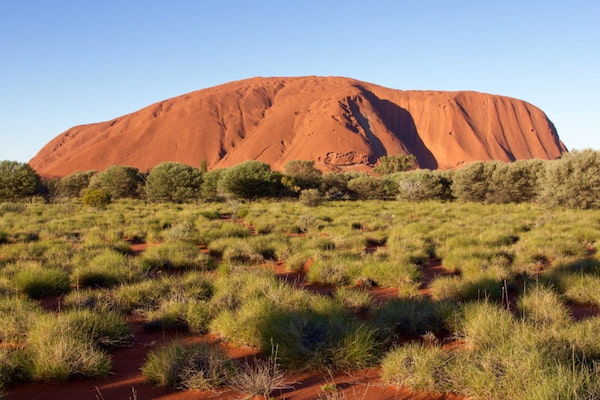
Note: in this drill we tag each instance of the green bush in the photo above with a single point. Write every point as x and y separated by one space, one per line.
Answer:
98 198
573 180
118 181
301 175
472 182
18 181
249 180
173 182
311 197
367 187
197 366
72 186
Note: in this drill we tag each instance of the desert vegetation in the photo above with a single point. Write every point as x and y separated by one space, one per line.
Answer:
464 286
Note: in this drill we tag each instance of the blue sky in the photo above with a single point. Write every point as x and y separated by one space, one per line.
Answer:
70 62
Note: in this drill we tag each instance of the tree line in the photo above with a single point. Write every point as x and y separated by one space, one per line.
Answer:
570 181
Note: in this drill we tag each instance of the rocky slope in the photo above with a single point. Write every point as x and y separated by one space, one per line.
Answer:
340 123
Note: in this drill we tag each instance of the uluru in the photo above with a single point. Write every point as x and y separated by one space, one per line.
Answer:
339 123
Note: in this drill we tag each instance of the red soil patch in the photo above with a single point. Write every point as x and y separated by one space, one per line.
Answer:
429 272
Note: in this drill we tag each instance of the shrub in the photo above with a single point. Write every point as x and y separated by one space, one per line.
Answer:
367 187
515 182
301 175
38 282
249 180
311 197
174 182
118 181
17 181
197 366
423 184
72 186
390 164
209 189
472 182
98 198
573 180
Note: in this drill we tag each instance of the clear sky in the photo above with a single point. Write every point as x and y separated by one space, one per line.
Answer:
70 62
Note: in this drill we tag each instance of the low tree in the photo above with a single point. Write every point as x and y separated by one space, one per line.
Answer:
368 187
515 182
423 184
250 180
472 182
209 190
300 175
573 180
73 185
174 182
118 181
18 181
391 164
335 184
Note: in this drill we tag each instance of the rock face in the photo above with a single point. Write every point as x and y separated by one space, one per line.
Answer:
340 123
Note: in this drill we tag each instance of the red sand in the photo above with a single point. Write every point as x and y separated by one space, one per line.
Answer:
340 123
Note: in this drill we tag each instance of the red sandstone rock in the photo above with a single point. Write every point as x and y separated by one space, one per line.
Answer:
340 123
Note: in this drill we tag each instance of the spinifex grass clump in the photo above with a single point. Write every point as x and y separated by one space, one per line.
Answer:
319 340
15 366
17 314
176 255
105 270
416 366
60 351
400 318
197 366
505 358
38 281
180 313
105 329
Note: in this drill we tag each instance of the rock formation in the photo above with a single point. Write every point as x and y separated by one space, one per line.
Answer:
340 123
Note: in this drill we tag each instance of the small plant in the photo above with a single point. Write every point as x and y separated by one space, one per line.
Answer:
261 377
196 366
